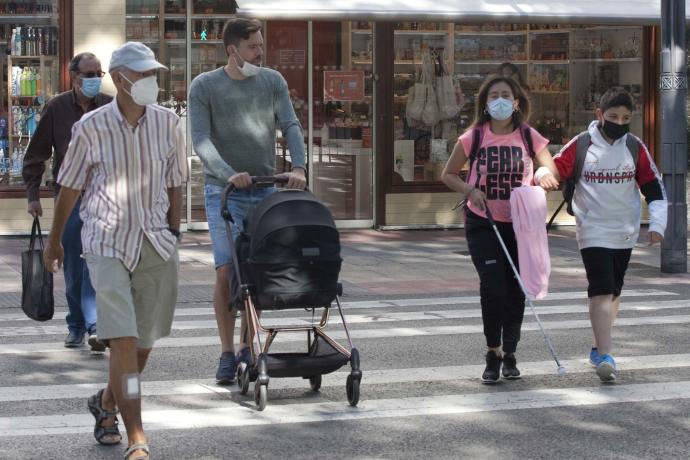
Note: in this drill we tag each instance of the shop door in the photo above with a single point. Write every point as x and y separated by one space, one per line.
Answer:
342 161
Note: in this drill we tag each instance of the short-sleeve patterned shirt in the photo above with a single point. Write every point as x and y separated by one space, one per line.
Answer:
125 173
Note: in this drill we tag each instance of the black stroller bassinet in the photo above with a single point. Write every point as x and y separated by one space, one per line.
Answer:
288 257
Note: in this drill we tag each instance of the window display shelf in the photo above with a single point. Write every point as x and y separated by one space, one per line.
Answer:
16 17
550 61
491 33
634 59
495 62
551 31
422 32
142 16
362 31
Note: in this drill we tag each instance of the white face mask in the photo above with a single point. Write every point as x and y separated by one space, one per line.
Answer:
144 91
247 69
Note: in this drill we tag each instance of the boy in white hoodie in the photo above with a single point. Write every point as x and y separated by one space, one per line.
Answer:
607 208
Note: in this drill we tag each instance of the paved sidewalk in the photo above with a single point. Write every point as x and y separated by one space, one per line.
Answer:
375 263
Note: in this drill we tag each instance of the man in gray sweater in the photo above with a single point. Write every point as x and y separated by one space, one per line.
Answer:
234 112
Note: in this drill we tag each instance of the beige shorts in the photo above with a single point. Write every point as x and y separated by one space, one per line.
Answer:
139 304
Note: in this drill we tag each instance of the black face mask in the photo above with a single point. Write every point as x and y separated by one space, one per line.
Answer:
614 130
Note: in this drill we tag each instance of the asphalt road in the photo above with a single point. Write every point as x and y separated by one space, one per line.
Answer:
422 356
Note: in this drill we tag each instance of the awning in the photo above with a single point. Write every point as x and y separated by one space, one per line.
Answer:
641 12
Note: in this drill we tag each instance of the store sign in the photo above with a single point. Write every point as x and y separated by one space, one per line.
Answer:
343 85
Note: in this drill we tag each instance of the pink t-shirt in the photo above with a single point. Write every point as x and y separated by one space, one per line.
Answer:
502 164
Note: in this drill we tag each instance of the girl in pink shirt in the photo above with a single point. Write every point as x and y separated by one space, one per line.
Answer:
502 151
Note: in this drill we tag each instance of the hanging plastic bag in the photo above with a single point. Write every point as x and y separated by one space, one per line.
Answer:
416 99
445 93
430 114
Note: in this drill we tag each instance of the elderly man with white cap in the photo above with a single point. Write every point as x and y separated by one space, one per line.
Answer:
128 159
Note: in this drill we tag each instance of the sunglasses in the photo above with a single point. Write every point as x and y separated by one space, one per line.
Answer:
98 74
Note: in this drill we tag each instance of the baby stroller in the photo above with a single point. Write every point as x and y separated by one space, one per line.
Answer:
288 257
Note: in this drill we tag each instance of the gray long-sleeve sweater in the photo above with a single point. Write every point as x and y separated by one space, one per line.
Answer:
234 123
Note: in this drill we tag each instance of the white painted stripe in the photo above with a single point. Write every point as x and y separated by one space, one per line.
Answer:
233 414
475 299
371 377
434 315
368 304
396 332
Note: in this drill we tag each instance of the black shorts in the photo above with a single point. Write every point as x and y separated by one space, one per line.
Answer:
605 270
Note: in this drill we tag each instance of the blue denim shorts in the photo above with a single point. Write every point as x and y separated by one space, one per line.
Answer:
240 203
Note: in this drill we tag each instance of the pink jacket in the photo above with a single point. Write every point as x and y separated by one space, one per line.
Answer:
528 211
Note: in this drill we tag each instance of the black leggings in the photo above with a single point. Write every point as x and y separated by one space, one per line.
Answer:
502 300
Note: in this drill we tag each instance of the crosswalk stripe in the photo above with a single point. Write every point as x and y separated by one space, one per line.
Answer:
394 332
368 304
371 377
434 315
233 414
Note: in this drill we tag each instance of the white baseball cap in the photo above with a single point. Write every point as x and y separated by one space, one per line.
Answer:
135 56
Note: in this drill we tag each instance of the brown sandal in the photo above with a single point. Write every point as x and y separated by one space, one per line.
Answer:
101 432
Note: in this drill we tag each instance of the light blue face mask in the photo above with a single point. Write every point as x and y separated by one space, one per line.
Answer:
501 108
90 86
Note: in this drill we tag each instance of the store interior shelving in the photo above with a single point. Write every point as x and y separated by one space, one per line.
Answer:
564 68
28 76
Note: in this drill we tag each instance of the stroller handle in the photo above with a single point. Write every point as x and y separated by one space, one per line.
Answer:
256 180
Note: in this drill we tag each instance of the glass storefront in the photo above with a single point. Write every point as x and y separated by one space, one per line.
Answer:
29 69
437 71
341 168
565 69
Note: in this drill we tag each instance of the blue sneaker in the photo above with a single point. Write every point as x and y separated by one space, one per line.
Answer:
606 369
245 356
594 357
225 375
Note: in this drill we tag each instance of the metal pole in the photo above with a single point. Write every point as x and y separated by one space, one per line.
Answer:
674 92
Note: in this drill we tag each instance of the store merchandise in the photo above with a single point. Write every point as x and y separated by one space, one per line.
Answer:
26 7
25 119
33 41
26 81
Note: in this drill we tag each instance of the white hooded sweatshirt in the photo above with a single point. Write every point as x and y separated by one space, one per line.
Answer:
607 196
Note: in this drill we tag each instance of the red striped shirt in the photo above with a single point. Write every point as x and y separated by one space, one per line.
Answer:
125 172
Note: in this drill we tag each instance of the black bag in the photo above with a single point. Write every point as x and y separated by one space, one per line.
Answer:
37 282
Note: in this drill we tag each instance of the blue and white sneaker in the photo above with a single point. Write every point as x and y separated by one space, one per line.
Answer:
606 369
594 357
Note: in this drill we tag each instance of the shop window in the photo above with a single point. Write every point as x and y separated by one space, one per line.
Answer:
343 111
29 76
565 69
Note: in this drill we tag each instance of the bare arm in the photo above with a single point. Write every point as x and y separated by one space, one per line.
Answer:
53 252
175 211
450 177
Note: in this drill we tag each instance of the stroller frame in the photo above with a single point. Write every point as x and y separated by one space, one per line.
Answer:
260 368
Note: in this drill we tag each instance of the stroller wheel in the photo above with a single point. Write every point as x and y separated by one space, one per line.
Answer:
260 396
315 382
352 388
243 378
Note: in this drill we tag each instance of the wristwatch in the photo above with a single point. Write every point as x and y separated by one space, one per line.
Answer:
176 233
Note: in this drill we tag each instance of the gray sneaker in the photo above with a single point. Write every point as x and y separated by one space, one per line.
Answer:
74 339
226 369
